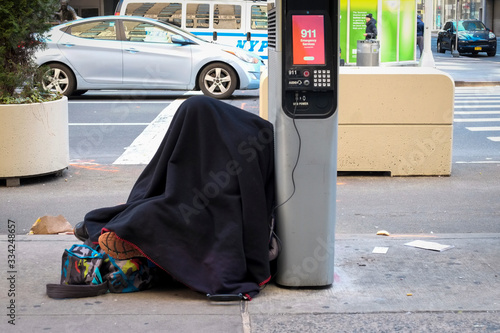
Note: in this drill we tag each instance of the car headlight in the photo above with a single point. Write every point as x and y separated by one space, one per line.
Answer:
491 35
244 56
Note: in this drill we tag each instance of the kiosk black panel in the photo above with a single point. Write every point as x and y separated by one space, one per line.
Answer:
310 62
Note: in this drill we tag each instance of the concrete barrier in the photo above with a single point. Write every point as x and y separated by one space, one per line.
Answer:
392 119
395 119
263 99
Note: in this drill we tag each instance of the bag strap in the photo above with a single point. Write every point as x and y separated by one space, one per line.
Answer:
76 291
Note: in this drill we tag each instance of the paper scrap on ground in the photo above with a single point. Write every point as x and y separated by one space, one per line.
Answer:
429 245
380 249
383 233
47 225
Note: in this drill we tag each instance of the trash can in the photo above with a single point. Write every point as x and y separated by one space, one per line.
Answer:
367 52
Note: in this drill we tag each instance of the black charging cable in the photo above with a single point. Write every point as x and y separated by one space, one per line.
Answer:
272 233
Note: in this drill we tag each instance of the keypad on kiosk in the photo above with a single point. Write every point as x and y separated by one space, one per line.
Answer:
321 78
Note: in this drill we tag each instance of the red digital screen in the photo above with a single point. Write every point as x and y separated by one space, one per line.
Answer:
308 40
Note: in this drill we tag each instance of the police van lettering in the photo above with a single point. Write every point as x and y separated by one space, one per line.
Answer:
253 43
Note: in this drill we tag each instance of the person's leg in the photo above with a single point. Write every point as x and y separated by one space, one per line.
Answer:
420 43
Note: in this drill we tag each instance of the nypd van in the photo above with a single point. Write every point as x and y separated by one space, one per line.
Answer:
236 23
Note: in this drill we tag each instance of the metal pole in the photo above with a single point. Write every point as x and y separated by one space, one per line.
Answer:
455 51
427 59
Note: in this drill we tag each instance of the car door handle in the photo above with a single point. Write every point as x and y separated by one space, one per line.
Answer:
132 50
68 44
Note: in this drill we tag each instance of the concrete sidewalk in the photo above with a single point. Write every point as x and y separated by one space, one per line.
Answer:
407 289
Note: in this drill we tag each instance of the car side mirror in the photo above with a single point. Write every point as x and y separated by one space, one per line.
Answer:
178 39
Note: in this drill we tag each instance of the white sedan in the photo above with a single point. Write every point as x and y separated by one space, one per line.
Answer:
126 52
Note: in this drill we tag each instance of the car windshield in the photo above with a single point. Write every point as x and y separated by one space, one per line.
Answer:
470 26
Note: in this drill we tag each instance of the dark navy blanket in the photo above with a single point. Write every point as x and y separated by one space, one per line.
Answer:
201 209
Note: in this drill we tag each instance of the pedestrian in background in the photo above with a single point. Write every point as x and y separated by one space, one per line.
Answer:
420 34
66 13
371 27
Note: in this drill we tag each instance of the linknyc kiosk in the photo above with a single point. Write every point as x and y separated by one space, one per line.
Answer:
303 76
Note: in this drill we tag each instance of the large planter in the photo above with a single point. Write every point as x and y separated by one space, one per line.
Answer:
34 139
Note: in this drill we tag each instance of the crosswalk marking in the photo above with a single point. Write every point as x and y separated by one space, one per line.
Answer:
478 162
476 100
117 101
465 96
479 103
476 112
476 120
108 124
146 144
476 106
483 129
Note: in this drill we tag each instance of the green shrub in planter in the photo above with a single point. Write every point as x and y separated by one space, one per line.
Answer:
22 25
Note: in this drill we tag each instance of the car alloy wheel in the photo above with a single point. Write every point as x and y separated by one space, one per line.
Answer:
59 79
217 80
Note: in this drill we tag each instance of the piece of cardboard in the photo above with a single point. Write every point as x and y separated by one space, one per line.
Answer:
47 225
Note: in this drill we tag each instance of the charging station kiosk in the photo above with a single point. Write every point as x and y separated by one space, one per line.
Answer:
303 99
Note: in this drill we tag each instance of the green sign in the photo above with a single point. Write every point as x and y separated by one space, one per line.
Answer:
407 30
396 25
357 23
389 48
343 29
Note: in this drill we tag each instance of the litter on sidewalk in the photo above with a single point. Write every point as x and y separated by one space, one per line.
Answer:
429 245
380 249
383 233
47 225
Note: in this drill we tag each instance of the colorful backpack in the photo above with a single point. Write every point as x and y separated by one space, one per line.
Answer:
88 271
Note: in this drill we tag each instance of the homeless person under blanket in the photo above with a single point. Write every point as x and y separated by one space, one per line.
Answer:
201 209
